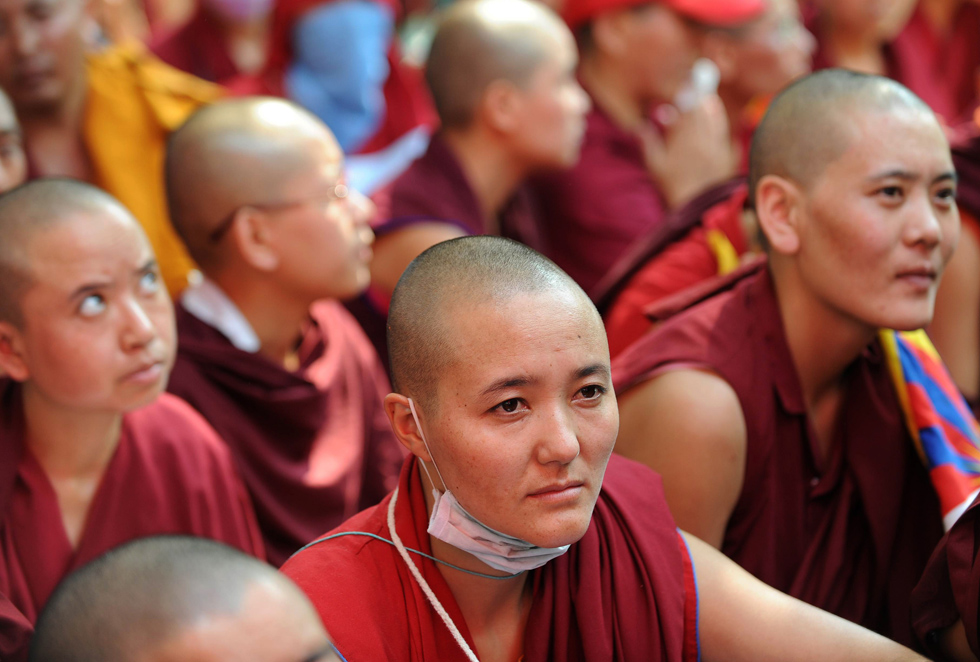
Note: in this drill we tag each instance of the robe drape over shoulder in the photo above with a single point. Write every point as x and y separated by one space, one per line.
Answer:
853 538
170 474
591 215
625 591
15 632
950 587
314 446
133 103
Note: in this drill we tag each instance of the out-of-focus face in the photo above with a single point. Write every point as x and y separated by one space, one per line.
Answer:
881 18
660 49
13 161
42 51
880 223
526 417
553 106
324 243
771 52
98 327
274 624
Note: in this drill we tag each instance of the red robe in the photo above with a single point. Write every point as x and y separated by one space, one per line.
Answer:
314 446
852 539
592 214
625 591
673 266
950 587
170 474
198 48
15 632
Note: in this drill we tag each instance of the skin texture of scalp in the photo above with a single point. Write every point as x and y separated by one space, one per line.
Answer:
30 208
807 126
135 600
482 41
440 282
231 154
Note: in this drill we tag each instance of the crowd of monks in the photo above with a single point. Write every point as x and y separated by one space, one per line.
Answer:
500 330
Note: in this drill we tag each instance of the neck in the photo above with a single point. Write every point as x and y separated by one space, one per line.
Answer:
277 319
611 93
940 14
247 41
860 51
67 114
69 443
490 169
822 342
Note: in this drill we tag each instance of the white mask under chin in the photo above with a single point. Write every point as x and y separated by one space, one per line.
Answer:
450 523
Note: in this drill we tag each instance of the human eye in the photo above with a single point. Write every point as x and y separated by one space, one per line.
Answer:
43 10
892 193
590 394
92 305
150 282
946 196
510 406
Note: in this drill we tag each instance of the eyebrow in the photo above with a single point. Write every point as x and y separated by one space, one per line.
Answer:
505 383
596 369
150 265
906 175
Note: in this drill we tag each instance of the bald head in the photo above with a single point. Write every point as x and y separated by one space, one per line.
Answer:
479 42
441 284
810 124
172 598
235 153
33 207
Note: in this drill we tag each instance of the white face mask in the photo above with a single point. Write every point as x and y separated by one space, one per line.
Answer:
450 523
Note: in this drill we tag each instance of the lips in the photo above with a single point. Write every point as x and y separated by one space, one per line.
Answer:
557 488
147 373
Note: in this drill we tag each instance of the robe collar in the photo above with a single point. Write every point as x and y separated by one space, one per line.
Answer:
208 303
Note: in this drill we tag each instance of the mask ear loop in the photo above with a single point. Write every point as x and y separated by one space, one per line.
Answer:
415 416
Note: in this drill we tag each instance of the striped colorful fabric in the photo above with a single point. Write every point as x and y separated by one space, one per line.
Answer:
945 432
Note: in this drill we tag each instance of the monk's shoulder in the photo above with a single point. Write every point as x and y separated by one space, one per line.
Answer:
635 486
342 332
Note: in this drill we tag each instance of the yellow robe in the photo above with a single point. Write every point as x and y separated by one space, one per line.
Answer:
134 101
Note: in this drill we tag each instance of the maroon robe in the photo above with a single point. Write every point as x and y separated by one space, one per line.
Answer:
15 632
314 446
591 215
435 188
853 539
950 587
197 47
170 474
625 591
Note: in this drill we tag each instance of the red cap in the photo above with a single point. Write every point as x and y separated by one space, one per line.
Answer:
722 13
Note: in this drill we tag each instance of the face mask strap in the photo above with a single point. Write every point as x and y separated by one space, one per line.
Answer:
415 416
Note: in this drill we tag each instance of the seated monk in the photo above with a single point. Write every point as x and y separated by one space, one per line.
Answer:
93 455
502 75
508 536
179 599
636 56
221 41
266 351
100 117
771 409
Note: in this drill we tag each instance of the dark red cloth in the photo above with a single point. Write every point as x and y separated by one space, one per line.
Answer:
675 267
15 632
197 47
623 592
314 446
170 474
408 104
435 188
950 587
852 539
591 215
942 69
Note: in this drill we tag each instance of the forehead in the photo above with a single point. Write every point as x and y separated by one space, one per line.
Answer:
319 161
547 334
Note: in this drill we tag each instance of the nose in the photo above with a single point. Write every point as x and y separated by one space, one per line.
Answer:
925 226
559 438
138 330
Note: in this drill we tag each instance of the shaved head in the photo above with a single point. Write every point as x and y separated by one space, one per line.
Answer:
810 124
482 41
30 208
443 283
236 153
146 599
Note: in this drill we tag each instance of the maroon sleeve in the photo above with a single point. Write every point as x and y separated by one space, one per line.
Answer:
15 632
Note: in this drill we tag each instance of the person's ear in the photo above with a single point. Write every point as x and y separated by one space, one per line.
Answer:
403 423
779 209
501 106
252 235
12 353
720 49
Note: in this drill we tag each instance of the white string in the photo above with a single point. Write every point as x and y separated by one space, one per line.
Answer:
433 600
